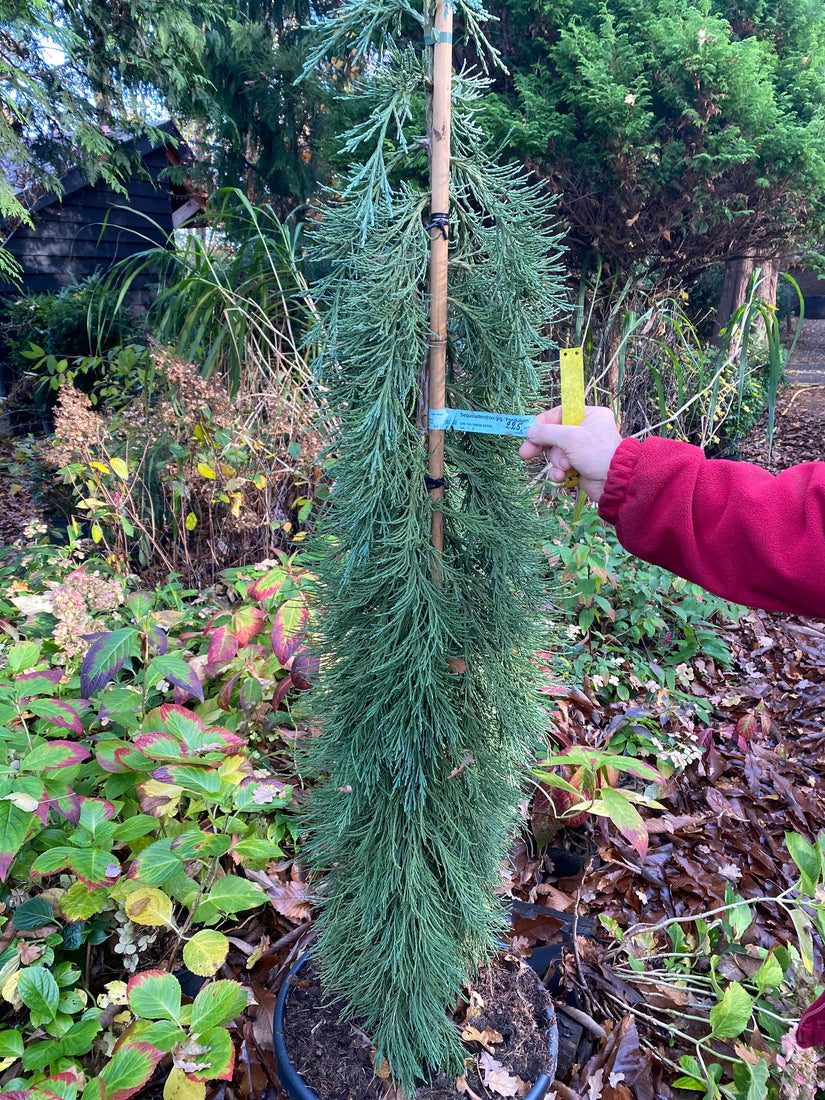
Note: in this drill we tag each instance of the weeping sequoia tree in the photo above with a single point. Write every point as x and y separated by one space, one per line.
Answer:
429 587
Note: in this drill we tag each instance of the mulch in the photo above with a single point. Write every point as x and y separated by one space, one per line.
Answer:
18 509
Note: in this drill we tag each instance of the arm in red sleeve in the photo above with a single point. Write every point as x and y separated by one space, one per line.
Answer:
749 536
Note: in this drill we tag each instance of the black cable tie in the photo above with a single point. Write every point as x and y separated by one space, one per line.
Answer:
433 482
441 222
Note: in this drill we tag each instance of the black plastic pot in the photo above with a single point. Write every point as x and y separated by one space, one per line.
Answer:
296 1087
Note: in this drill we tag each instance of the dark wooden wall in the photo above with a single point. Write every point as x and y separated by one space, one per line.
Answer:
92 228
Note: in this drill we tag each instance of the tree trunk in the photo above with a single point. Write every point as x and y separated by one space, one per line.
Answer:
738 274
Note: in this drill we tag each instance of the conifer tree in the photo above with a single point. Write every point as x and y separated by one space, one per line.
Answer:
427 697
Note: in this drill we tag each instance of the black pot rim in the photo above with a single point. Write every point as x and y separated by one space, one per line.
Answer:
297 1088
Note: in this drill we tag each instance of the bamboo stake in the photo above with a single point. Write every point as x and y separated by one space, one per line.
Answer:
439 247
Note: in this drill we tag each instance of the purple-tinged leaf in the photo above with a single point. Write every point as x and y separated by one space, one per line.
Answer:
174 669
158 639
106 657
251 694
282 689
68 806
225 694
57 713
289 628
53 675
105 754
223 646
54 754
199 781
268 584
304 669
39 682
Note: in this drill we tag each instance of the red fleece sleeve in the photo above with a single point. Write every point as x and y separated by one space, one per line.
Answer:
749 536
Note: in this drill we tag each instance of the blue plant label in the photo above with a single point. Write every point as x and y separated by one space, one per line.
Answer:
487 423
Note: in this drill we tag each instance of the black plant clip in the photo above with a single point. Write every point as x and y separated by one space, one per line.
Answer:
433 483
441 222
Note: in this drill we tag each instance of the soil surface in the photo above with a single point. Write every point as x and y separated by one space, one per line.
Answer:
509 1009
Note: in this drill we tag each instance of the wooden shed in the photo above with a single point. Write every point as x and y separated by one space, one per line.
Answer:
89 227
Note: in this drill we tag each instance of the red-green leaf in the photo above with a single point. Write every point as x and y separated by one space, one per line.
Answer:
223 646
160 745
53 755
288 629
626 818
106 657
180 722
246 623
57 713
268 584
215 1047
129 1069
155 995
199 781
95 1090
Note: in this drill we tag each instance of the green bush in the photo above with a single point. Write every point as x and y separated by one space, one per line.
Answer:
71 335
136 811
632 629
73 322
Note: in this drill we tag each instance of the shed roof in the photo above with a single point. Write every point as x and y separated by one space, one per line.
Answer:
89 227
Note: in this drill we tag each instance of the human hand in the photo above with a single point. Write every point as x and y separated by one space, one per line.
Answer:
587 447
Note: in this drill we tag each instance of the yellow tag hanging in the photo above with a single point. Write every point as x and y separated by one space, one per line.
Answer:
571 361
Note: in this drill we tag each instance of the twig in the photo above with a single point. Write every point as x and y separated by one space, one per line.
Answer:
582 1018
575 942
287 939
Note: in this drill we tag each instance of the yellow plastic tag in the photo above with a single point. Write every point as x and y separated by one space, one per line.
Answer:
572 385
571 361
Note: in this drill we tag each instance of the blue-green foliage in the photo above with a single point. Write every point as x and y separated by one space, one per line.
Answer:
427 699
